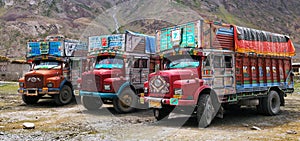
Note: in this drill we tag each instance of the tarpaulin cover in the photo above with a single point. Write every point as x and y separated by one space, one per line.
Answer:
262 42
150 45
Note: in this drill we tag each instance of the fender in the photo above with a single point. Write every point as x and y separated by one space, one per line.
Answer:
123 86
199 90
62 84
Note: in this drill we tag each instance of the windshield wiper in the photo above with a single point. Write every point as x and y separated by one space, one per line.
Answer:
51 67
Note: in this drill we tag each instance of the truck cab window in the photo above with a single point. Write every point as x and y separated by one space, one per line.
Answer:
109 63
206 62
217 62
140 63
184 63
46 65
228 61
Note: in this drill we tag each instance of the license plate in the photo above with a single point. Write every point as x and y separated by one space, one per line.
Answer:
142 100
154 104
177 96
32 92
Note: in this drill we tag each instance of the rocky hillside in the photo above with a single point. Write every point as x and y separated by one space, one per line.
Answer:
26 19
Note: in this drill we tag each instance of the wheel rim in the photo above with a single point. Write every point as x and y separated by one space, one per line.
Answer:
65 96
126 101
275 104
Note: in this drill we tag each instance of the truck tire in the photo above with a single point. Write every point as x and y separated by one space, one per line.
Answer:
126 101
65 96
29 100
206 110
271 103
91 103
162 113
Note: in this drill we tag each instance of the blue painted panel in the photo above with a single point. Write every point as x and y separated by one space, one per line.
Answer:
55 48
98 94
33 49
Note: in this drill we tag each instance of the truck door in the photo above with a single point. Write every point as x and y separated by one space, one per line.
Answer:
218 72
139 71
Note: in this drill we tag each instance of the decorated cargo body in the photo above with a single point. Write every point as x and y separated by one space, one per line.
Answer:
54 69
120 64
208 66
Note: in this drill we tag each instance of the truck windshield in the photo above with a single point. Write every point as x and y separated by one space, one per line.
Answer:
184 63
47 65
109 63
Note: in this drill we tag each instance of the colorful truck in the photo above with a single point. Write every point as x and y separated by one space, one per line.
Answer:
208 66
120 64
52 63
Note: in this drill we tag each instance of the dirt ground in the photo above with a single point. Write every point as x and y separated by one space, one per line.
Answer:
74 122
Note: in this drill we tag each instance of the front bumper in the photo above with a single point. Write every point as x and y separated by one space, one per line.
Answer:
155 102
98 94
38 91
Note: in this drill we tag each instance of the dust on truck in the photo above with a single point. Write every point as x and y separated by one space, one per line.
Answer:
208 66
52 60
121 64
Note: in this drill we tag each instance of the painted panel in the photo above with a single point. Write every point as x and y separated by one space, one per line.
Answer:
183 36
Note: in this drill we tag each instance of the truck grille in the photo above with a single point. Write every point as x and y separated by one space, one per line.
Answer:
34 81
159 85
91 82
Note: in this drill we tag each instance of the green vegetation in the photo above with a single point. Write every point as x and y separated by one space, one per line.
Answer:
230 18
297 87
9 88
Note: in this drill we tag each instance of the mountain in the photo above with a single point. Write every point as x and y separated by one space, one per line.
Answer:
21 20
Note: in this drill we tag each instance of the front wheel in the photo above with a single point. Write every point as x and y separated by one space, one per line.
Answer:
126 101
206 110
271 104
29 100
65 96
91 103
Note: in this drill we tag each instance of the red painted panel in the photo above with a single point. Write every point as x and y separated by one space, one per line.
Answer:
246 70
254 70
268 70
239 69
275 70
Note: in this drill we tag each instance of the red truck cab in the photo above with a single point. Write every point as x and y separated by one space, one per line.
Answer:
51 70
120 64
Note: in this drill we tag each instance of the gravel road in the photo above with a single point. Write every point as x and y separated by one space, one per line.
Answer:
73 122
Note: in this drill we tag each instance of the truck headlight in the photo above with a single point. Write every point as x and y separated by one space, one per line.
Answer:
107 87
21 84
178 92
50 85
